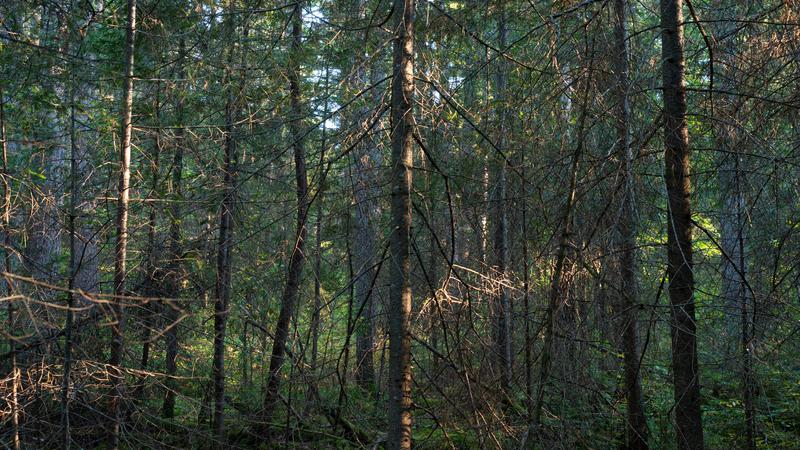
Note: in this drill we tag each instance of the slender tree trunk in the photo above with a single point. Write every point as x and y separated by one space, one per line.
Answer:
297 259
637 430
6 223
71 228
151 287
175 267
503 344
557 287
679 231
223 281
120 270
402 126
315 314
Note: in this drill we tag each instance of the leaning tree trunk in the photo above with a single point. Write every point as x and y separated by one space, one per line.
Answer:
679 231
402 126
297 259
637 430
120 270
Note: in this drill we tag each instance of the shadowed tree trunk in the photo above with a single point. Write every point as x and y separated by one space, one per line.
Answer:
297 259
688 421
637 430
6 221
175 266
737 299
315 313
402 126
502 313
225 243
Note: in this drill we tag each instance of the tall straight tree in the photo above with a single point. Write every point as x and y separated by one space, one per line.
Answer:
223 280
297 258
737 299
120 271
637 431
174 274
501 249
685 368
5 222
402 129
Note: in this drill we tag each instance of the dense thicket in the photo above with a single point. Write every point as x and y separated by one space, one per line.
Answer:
438 224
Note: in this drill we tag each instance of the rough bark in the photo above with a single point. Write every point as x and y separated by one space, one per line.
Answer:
402 125
685 369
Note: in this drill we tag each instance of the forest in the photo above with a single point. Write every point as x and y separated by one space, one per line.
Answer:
432 224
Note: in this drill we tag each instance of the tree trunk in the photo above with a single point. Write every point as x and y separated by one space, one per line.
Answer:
679 231
175 267
120 270
315 314
6 223
637 430
736 296
297 259
502 313
152 278
223 281
402 126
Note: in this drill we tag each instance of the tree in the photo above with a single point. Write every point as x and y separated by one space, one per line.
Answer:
120 268
637 421
686 372
225 243
297 259
402 126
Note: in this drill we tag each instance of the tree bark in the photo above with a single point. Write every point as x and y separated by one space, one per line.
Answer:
502 313
297 259
120 269
175 266
315 314
737 299
637 431
402 126
151 263
685 368
225 243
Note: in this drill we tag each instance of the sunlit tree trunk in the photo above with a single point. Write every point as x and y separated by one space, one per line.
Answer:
402 127
120 268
